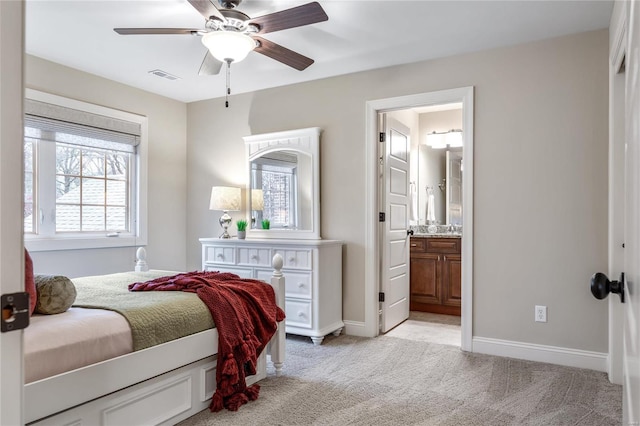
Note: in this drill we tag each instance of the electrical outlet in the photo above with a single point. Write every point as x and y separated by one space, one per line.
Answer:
541 313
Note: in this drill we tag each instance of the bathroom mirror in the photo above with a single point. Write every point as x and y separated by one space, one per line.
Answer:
440 165
283 184
441 171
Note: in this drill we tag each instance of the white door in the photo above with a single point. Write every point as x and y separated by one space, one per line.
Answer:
454 188
395 242
11 251
631 354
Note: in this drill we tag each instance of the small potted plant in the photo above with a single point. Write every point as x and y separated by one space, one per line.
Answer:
242 229
266 223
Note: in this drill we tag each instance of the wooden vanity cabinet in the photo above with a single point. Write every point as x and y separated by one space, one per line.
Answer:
435 275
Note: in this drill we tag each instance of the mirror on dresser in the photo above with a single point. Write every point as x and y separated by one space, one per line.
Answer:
283 184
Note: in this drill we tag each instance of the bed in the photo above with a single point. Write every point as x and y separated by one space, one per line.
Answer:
159 384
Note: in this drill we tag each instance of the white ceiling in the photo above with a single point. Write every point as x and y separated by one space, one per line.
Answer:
359 35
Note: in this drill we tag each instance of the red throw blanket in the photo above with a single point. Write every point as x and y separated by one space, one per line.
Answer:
246 316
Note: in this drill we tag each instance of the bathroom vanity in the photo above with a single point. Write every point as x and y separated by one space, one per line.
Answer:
436 273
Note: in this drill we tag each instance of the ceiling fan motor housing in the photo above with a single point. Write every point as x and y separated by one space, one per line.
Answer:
229 4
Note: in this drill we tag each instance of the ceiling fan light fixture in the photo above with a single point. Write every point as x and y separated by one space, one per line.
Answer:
228 46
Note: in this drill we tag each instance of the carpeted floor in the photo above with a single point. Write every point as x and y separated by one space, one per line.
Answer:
393 381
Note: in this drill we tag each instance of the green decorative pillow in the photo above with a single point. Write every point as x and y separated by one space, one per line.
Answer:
56 294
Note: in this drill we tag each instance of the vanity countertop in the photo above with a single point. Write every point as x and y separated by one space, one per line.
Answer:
437 235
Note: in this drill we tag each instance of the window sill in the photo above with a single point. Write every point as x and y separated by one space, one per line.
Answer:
81 243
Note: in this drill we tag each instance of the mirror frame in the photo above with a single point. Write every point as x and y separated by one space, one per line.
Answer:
306 141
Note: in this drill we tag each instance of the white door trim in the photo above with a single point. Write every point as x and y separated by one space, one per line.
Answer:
372 274
11 199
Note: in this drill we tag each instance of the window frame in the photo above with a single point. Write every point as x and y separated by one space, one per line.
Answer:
138 225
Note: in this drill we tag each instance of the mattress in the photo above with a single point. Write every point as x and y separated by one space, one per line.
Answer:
54 344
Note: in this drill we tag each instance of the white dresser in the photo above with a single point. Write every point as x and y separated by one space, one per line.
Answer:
312 271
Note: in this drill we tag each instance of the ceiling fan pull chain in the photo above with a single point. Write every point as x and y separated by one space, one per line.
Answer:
226 101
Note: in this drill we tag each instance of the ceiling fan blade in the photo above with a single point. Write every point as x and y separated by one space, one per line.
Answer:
145 31
210 65
306 14
282 54
206 9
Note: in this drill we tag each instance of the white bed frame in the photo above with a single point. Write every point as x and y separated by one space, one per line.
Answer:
161 385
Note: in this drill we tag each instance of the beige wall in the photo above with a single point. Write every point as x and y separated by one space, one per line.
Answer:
166 170
540 175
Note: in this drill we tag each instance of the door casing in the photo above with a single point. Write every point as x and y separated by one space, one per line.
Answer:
11 199
372 237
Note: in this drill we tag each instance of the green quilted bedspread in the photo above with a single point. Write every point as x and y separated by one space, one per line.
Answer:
155 317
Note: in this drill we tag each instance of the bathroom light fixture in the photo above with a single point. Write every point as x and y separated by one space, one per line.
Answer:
227 199
439 140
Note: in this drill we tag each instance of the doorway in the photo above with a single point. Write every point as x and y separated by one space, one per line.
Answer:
372 243
422 295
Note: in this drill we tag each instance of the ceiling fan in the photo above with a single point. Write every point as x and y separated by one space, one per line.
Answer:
230 34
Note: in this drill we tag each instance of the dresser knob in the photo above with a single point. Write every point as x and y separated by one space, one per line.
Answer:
254 257
301 314
292 259
221 256
300 285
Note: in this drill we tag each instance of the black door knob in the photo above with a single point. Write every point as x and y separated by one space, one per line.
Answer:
409 231
601 286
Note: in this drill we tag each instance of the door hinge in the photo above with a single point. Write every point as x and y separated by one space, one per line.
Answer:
15 311
381 297
382 137
381 217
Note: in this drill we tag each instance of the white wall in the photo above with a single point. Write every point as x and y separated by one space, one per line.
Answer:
166 171
540 208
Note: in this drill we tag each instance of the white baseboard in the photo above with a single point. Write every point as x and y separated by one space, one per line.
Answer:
541 353
355 328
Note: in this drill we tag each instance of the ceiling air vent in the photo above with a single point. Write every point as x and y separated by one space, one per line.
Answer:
164 74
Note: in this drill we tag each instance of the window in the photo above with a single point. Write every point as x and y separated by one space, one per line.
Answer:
84 175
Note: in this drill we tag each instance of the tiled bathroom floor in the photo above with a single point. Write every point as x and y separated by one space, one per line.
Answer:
427 327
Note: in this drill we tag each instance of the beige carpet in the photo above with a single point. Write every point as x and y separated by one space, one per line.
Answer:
393 381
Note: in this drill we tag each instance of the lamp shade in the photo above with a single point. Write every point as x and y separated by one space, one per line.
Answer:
225 198
257 200
228 45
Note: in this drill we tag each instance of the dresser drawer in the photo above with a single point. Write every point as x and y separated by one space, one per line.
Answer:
254 256
241 272
296 259
298 313
297 285
219 254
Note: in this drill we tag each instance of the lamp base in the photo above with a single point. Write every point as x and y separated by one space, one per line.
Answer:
225 221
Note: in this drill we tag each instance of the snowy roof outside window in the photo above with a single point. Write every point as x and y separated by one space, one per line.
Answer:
93 216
